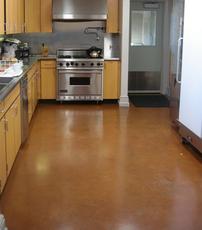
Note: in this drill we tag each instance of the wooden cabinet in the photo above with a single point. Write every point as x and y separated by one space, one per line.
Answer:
11 16
33 16
48 79
10 137
20 16
1 16
14 16
111 79
3 173
112 16
10 132
32 89
46 16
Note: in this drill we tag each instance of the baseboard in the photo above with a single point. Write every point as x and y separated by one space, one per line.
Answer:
124 102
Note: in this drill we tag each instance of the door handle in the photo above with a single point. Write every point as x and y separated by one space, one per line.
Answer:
178 80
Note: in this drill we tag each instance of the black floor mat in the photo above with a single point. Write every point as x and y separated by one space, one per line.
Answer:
149 100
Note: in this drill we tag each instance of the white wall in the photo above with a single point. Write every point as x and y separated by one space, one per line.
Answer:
125 21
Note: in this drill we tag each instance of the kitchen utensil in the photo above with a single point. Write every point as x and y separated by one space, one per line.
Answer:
95 52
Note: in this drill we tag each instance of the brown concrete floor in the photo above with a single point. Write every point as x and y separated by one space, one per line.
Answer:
88 167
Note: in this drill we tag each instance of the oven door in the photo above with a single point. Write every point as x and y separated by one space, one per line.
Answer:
80 83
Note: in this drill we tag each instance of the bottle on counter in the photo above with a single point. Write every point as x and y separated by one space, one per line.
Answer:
44 50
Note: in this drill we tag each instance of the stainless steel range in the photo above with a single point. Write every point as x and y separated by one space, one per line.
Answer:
79 77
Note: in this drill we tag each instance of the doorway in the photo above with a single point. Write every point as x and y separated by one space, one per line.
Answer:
146 43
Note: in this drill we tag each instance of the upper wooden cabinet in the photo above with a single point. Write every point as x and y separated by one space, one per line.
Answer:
33 16
11 16
46 16
1 16
112 16
21 16
111 79
14 16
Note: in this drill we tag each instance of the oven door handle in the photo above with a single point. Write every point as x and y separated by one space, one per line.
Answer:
80 72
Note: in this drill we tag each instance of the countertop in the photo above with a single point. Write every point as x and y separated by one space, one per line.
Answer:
112 59
9 87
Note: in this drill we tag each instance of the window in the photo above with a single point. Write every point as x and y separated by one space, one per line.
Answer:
143 28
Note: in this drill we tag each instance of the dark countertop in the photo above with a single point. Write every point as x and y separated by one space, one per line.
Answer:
28 63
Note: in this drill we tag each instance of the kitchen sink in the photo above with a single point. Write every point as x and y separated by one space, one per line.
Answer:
5 80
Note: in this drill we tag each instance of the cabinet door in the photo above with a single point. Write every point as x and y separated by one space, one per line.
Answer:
112 16
17 124
13 132
29 95
33 16
11 16
1 16
2 155
38 82
20 16
111 79
10 138
46 22
48 80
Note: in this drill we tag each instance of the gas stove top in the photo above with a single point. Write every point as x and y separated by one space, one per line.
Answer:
77 59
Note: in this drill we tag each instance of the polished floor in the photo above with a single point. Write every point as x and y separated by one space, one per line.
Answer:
99 167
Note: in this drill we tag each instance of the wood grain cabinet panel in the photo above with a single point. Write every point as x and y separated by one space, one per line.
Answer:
14 16
48 80
20 16
3 174
10 133
1 16
32 90
11 16
111 79
46 16
32 16
13 133
112 16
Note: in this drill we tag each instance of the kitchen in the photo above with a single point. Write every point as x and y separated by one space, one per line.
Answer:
82 163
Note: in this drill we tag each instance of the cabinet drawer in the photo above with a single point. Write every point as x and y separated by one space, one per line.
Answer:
48 64
11 97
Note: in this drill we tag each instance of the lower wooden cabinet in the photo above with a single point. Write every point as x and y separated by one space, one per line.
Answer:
111 80
32 89
3 173
48 79
13 133
10 133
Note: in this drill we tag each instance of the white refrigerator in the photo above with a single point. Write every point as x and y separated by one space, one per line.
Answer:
190 114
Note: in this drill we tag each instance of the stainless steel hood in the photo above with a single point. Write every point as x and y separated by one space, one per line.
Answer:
79 10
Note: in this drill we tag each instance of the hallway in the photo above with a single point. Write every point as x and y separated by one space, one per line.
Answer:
87 167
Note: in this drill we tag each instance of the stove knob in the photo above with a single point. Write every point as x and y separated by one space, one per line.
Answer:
92 64
72 63
61 64
76 64
83 64
67 64
98 64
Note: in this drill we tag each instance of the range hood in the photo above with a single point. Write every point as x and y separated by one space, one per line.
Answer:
66 10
